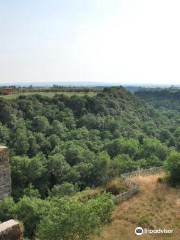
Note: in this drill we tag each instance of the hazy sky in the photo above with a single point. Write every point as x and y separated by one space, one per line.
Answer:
125 41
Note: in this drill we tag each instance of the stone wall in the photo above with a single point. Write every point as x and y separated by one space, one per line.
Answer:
134 187
5 173
10 230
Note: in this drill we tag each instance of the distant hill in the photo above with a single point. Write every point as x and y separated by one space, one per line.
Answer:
161 98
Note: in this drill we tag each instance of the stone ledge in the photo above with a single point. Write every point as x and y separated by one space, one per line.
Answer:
3 147
10 230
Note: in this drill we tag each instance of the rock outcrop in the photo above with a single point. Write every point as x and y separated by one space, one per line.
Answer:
10 230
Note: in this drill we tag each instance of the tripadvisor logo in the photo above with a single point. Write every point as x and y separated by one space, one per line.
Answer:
138 231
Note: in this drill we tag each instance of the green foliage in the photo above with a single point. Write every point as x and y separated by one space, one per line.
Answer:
123 146
30 191
59 129
101 169
76 154
161 98
71 219
155 147
58 218
30 211
62 144
122 164
27 170
145 220
116 186
152 161
58 168
64 139
21 144
65 189
4 134
172 166
129 146
7 209
41 124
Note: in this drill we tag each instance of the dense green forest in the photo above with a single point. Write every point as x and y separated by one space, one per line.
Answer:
61 146
168 98
54 89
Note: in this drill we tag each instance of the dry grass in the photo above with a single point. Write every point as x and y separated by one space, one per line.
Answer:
157 206
92 193
116 186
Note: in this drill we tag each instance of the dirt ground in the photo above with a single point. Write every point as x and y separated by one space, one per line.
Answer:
156 206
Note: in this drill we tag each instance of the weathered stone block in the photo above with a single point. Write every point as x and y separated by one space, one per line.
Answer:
10 230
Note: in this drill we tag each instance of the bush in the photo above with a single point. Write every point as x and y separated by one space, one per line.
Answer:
172 167
160 180
146 221
30 211
30 191
65 189
90 193
59 218
116 186
7 209
72 219
122 163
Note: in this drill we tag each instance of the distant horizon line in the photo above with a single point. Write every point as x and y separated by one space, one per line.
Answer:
87 83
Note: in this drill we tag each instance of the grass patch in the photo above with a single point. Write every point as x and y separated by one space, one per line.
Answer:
145 221
156 206
48 94
116 186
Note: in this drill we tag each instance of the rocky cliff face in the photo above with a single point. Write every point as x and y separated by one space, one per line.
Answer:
5 173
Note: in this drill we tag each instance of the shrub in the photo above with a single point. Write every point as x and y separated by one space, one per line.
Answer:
7 209
116 186
160 180
90 193
30 211
172 167
72 219
146 221
122 163
65 189
30 191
